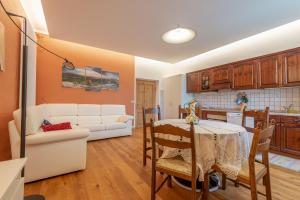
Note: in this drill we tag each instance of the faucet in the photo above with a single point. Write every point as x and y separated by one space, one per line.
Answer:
288 109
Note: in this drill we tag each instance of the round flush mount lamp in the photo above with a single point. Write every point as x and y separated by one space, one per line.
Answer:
179 35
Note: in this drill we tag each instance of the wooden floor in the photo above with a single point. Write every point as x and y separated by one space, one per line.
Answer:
114 171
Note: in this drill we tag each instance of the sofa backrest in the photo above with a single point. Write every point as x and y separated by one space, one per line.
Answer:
62 113
35 117
75 113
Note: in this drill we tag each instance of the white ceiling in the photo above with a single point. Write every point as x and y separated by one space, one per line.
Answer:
135 26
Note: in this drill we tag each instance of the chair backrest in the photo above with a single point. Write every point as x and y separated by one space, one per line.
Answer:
160 133
184 112
258 117
150 113
261 143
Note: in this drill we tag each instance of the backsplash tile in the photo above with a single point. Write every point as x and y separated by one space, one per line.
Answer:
275 98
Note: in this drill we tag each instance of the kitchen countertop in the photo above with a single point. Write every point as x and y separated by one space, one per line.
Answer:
238 111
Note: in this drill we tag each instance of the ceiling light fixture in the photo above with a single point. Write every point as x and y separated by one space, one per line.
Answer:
179 35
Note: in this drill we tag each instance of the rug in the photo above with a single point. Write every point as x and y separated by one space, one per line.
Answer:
283 161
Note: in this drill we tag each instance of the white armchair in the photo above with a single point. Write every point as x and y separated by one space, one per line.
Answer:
49 154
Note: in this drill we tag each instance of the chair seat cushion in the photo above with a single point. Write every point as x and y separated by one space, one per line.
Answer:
116 125
260 169
94 127
175 164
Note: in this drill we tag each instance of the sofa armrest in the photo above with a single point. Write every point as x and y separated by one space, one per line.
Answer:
57 136
125 118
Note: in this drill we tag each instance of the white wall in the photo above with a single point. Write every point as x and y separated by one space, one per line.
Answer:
174 88
148 69
274 40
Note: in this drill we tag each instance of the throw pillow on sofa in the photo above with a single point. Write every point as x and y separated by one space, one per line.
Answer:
56 127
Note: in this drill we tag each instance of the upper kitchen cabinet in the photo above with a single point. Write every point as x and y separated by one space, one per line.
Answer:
244 75
269 72
206 80
222 77
291 68
192 82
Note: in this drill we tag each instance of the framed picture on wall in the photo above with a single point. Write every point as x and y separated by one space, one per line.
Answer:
2 47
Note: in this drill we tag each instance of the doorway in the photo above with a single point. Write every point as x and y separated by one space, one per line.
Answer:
145 97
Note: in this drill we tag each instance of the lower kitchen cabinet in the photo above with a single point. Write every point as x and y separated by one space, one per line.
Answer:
275 142
286 138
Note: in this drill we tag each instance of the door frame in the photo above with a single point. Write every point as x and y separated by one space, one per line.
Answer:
157 95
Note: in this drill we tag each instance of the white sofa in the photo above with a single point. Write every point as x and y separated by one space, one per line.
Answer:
58 152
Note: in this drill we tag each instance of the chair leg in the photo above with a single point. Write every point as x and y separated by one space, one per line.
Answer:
253 190
194 194
267 182
205 187
236 184
153 184
223 181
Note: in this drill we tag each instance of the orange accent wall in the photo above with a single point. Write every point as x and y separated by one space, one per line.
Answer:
9 83
49 74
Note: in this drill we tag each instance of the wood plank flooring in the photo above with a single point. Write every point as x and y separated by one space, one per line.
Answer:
114 171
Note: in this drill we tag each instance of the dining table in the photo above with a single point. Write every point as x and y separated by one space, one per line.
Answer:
215 142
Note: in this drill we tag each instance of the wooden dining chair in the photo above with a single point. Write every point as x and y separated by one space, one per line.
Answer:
148 113
184 112
175 166
258 117
252 171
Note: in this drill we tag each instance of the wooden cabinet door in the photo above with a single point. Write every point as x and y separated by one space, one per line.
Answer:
205 81
221 75
290 136
244 75
275 142
192 82
291 68
269 72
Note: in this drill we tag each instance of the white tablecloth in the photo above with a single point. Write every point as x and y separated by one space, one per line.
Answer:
215 142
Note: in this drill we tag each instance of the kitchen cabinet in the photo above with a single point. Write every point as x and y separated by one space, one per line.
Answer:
291 68
290 136
269 72
244 75
192 82
205 81
281 69
222 77
286 137
275 142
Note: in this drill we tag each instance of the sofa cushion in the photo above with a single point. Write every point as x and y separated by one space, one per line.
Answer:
112 110
35 117
116 125
62 109
57 136
89 110
83 120
61 119
95 127
110 119
56 127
